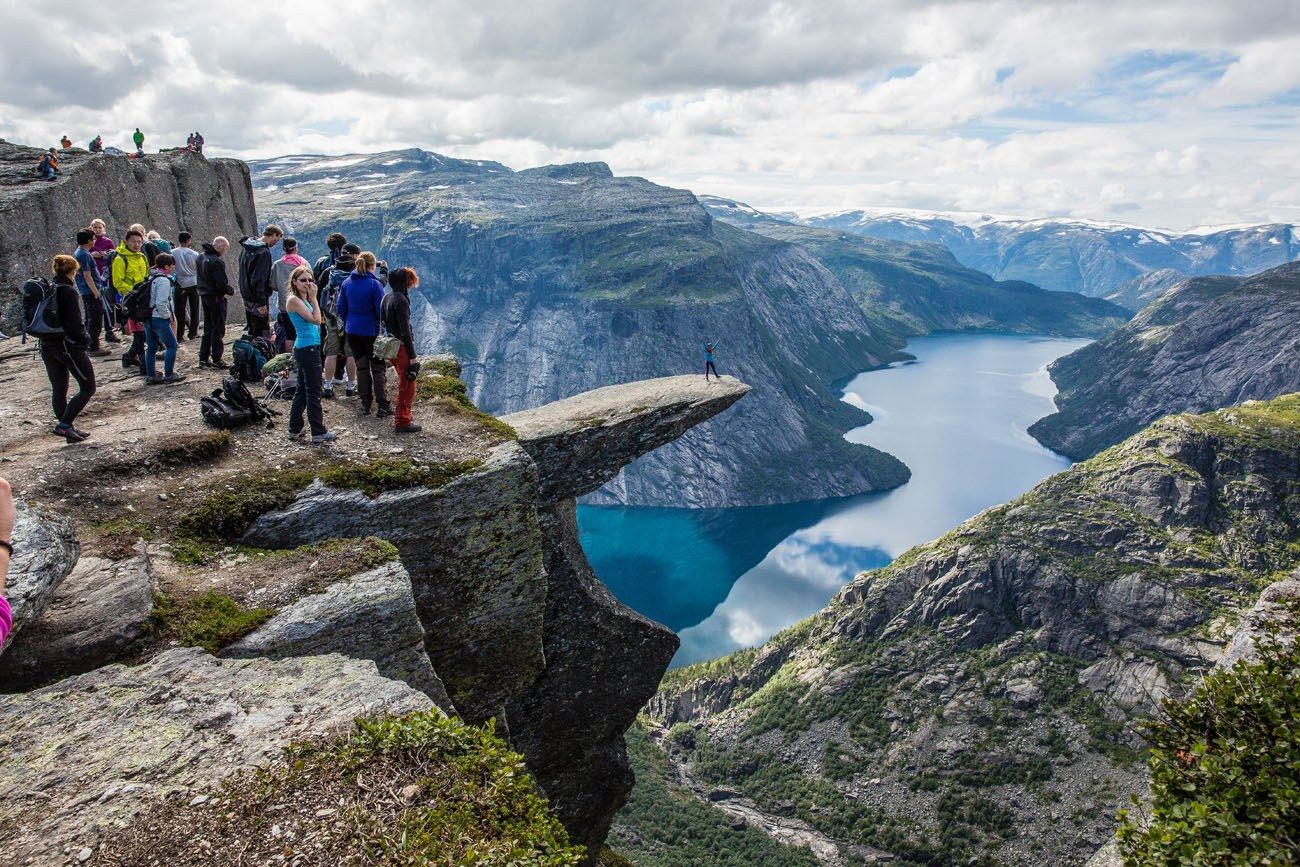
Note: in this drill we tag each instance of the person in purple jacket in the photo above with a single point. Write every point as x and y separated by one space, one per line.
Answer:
361 310
6 554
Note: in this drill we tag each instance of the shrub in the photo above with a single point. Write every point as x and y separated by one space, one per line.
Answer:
210 620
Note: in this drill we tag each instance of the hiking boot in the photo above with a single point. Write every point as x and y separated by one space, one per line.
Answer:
81 433
153 380
351 392
384 412
327 393
203 362
218 365
295 436
101 353
112 338
327 437
173 379
68 432
365 410
408 428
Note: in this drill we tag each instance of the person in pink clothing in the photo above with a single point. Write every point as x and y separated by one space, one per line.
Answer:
279 313
104 245
6 554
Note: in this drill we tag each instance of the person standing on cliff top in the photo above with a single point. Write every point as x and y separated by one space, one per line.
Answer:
709 346
214 289
103 246
187 287
138 138
92 292
64 353
280 271
396 308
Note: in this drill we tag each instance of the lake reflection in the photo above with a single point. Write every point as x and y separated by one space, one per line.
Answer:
730 578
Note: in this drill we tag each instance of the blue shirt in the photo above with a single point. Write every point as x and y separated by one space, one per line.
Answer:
85 265
308 332
360 305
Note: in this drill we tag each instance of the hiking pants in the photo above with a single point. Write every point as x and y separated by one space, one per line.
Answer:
186 306
307 397
137 351
214 327
255 324
405 390
63 361
708 366
371 384
160 336
94 319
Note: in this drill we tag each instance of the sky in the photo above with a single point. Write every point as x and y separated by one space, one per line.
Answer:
1167 114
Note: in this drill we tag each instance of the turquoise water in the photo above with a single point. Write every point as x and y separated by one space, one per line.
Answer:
730 578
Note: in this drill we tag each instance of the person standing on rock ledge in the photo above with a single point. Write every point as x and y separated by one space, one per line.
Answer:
138 138
302 307
397 322
214 289
709 346
256 282
92 293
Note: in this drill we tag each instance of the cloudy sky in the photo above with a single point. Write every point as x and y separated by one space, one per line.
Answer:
1171 114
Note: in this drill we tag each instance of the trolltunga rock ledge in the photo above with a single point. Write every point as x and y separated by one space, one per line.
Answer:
98 747
581 442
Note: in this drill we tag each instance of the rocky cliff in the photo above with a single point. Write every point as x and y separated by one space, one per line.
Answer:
1210 342
910 288
167 191
389 575
1066 255
972 702
552 281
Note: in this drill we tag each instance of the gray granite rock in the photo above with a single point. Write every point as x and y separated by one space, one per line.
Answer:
1271 614
88 753
45 549
582 442
367 616
97 614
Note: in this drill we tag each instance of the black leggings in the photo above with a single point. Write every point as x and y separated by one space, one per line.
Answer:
708 367
371 382
63 361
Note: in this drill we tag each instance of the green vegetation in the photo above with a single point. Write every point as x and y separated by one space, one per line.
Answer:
117 537
394 792
1225 769
664 825
210 620
450 391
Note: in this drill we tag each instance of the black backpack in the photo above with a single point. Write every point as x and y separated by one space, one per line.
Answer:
139 301
233 406
41 309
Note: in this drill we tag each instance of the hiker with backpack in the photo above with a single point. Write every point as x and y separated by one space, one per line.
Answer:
360 309
161 327
397 322
57 322
255 281
280 274
187 287
303 309
92 294
338 357
138 138
154 243
49 165
214 289
129 268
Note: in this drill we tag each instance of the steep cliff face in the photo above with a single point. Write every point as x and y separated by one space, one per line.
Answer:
972 700
470 592
1065 255
1210 342
909 288
548 282
168 192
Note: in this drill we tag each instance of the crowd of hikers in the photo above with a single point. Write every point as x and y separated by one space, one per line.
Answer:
48 165
338 323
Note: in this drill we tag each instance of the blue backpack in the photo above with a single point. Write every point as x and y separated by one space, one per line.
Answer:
249 355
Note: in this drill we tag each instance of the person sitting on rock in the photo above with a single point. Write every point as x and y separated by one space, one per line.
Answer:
6 554
397 322
64 353
709 346
49 165
65 142
97 145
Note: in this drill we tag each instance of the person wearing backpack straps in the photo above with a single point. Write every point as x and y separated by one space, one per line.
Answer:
214 289
63 349
129 268
303 307
102 252
162 323
360 308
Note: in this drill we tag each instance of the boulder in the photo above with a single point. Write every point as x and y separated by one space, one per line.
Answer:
1273 609
45 549
95 616
581 442
92 751
368 616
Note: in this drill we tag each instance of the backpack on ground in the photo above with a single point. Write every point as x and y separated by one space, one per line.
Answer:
40 309
248 358
233 406
139 301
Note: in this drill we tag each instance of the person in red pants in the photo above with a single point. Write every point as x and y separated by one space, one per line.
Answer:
397 322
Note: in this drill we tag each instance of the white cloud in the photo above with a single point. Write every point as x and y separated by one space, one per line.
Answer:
1182 111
